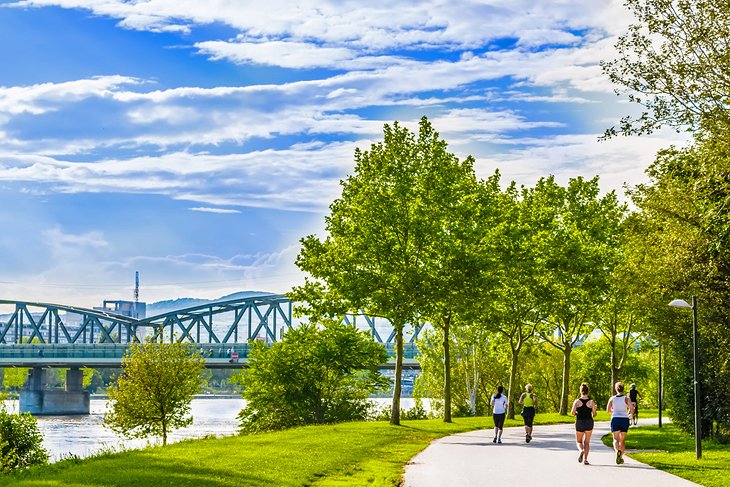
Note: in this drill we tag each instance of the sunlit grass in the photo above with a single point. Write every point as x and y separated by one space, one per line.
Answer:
677 456
365 453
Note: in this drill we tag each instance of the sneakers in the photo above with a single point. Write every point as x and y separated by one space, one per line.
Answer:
585 462
619 459
580 457
528 439
494 440
499 440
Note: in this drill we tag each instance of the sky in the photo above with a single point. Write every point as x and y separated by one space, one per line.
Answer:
197 141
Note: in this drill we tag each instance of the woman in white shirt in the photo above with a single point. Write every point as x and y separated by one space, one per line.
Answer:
621 411
499 402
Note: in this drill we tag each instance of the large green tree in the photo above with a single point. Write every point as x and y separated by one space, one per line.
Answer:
576 238
380 247
513 308
316 374
462 258
684 223
152 395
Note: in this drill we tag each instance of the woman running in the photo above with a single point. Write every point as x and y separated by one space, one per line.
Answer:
499 402
529 401
621 410
584 410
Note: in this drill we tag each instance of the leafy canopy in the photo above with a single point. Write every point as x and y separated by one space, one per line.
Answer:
316 374
153 394
675 64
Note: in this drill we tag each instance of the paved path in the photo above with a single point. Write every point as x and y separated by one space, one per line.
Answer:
551 459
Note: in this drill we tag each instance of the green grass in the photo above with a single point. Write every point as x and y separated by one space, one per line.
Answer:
677 454
366 453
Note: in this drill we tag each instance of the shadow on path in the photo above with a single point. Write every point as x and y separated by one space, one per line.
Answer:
550 459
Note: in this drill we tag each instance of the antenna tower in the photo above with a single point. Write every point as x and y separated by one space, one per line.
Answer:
136 293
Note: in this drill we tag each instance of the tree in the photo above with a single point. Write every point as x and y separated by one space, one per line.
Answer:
21 443
513 309
619 317
478 366
576 239
315 374
684 222
14 378
375 256
674 63
460 259
153 394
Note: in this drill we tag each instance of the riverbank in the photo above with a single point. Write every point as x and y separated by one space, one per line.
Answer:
364 453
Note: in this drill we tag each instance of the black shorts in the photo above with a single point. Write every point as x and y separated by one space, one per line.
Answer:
499 420
528 414
583 425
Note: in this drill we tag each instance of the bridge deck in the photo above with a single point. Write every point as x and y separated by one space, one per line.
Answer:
109 355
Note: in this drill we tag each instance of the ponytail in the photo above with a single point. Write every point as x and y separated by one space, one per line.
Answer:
499 392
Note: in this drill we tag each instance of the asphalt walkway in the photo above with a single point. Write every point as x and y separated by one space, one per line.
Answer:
551 459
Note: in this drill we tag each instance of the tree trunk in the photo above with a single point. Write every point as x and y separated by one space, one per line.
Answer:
566 380
395 408
164 433
512 378
447 371
614 370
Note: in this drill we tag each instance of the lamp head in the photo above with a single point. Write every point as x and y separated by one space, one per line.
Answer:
680 303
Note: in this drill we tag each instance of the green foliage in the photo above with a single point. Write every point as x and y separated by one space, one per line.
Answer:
479 366
576 234
681 247
14 378
592 364
382 242
316 374
21 443
153 394
673 63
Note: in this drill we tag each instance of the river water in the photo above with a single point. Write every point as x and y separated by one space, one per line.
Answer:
85 435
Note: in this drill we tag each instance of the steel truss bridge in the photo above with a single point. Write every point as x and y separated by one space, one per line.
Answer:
54 335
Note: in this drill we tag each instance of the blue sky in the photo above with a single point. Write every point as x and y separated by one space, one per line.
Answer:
197 141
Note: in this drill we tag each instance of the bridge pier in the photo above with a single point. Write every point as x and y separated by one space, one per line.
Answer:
36 399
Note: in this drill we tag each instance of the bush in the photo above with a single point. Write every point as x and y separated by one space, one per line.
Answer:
316 374
416 412
21 443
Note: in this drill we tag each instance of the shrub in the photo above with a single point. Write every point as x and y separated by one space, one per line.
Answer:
21 442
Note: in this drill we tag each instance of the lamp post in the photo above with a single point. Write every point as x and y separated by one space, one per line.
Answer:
680 303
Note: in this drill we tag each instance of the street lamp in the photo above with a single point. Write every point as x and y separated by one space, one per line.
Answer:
680 303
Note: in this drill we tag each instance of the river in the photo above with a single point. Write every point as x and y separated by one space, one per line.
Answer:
83 436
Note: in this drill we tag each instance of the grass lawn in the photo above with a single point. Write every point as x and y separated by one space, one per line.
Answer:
678 454
365 453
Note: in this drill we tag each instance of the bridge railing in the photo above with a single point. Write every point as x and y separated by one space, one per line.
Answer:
57 353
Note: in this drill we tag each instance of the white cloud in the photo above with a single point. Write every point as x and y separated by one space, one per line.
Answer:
214 210
367 25
40 98
277 53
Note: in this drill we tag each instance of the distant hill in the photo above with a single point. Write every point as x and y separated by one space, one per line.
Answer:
168 305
